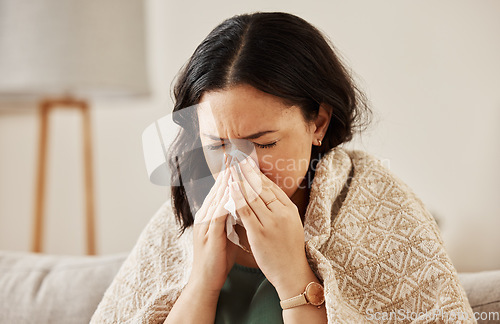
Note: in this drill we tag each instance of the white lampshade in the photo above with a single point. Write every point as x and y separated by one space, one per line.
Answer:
90 48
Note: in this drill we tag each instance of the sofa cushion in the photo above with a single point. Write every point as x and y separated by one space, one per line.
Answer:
483 292
37 288
67 289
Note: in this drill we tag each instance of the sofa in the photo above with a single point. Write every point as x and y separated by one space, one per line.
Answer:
38 288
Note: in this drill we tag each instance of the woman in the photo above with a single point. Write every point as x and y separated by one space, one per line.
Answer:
317 220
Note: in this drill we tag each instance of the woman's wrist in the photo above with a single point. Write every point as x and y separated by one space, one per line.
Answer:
198 289
295 282
193 296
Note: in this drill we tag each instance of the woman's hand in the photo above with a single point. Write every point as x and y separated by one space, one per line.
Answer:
274 230
214 254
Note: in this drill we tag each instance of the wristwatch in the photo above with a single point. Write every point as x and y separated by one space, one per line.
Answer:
313 294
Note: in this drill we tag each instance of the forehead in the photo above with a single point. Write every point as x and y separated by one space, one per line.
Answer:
242 109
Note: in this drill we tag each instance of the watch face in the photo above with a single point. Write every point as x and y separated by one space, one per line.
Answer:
315 294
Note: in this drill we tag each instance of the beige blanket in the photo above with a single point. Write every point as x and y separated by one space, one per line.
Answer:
369 239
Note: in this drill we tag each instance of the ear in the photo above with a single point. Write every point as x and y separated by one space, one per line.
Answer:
322 121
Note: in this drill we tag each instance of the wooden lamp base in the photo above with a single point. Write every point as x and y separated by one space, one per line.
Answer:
46 106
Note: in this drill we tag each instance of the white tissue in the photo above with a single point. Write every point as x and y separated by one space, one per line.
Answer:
233 219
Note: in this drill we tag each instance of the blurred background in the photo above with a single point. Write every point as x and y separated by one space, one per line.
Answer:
431 70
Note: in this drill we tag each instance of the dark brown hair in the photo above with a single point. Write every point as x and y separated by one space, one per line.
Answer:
277 53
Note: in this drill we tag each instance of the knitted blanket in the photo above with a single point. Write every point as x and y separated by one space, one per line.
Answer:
369 238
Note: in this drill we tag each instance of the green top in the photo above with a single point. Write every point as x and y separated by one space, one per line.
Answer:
247 297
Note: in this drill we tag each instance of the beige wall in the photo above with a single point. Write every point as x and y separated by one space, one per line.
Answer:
430 68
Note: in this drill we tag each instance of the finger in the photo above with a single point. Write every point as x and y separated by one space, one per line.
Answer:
211 201
217 223
219 180
248 217
279 193
220 211
269 184
251 175
202 212
253 200
216 201
255 179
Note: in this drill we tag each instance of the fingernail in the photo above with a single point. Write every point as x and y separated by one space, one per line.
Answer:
252 162
237 168
244 161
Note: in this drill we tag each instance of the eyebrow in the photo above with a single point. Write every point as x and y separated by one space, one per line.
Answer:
252 136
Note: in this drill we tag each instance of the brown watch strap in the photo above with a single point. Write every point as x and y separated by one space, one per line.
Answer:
294 301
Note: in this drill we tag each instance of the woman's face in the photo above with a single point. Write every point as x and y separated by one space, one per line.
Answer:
275 135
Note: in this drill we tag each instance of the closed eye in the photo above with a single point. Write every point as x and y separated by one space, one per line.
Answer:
264 146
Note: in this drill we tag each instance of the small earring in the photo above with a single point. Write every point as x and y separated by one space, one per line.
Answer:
319 141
